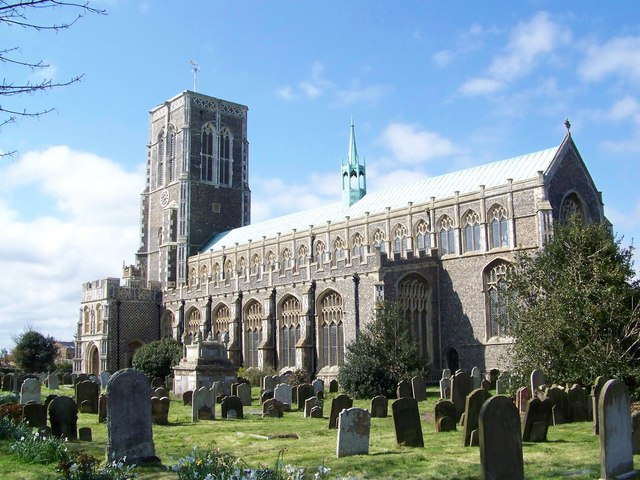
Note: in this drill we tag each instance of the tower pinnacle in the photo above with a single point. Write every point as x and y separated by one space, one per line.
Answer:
354 181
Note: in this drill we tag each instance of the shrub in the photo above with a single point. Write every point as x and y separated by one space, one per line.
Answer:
253 375
298 377
87 467
9 398
156 358
64 367
12 430
34 352
36 448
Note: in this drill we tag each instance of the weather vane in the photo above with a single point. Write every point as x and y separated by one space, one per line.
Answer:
195 68
567 124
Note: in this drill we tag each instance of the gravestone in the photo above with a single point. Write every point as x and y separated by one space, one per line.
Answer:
577 401
559 411
88 391
595 397
418 389
310 403
305 391
35 414
379 407
187 398
203 404
473 404
338 404
160 410
404 389
7 381
102 408
30 391
160 392
445 384
461 386
354 426
66 379
244 392
84 434
269 384
635 432
63 418
523 395
616 446
333 386
476 375
79 378
406 420
537 418
537 380
317 412
502 383
168 382
47 400
104 378
129 432
492 376
318 386
157 382
264 396
231 407
283 393
485 384
500 441
445 416
53 382
272 408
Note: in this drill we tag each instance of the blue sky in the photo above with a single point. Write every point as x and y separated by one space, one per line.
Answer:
432 87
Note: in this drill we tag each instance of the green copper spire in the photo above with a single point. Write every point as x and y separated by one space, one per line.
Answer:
354 179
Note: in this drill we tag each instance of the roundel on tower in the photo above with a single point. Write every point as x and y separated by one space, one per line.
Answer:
164 198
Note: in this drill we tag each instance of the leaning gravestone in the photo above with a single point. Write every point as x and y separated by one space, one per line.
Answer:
30 391
418 388
88 391
354 426
310 403
537 418
63 418
404 389
499 439
53 382
129 433
272 408
305 391
406 420
379 407
461 386
537 380
616 447
231 407
445 416
476 375
35 414
473 404
338 404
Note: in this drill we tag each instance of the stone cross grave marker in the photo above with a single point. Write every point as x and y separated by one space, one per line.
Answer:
338 404
354 426
406 420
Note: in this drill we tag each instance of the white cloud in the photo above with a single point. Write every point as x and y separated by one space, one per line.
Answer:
481 86
368 95
312 88
619 56
89 228
409 144
442 58
624 109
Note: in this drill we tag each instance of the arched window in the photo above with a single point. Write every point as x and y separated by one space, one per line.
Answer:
193 277
400 242
207 154
320 251
287 261
303 252
194 321
572 209
221 319
171 151
160 156
253 333
496 278
499 227
471 223
271 260
357 244
289 321
204 275
447 236
423 236
86 314
414 296
167 325
338 250
99 318
228 269
255 264
331 330
378 240
216 272
225 147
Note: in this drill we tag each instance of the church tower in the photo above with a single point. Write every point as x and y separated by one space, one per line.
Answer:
197 182
354 178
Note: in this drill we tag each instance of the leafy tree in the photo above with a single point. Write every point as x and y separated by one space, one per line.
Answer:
384 353
34 352
575 315
64 367
156 358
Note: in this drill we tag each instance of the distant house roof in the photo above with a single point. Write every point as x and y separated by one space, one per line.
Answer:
66 344
443 186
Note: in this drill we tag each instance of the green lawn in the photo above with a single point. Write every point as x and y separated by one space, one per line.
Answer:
572 450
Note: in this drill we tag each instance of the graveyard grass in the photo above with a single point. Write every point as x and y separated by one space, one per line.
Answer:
572 450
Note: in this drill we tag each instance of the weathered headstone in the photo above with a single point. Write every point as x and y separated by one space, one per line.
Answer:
445 416
304 391
88 391
84 434
53 382
318 386
269 384
406 420
310 403
316 412
537 418
160 410
523 395
379 407
160 392
418 389
266 395
595 397
203 404
404 389
577 401
30 391
272 408
635 432
244 392
104 378
102 408
537 380
616 446
461 386
338 404
502 383
129 433
333 386
187 398
473 404
63 418
500 441
476 376
283 392
231 407
445 384
35 414
354 426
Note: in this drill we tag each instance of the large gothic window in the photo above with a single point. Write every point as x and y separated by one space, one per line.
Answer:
207 155
194 322
166 328
252 333
289 323
471 222
358 246
423 236
499 227
338 250
320 251
331 329
447 236
400 242
225 147
221 319
413 295
302 255
378 240
572 208
496 278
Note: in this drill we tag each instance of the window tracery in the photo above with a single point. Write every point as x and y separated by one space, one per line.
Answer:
572 208
253 333
447 236
400 242
496 278
331 330
225 147
423 236
414 296
194 322
471 231
378 240
207 155
289 330
357 243
221 321
499 227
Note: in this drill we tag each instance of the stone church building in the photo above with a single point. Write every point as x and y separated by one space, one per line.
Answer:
293 291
